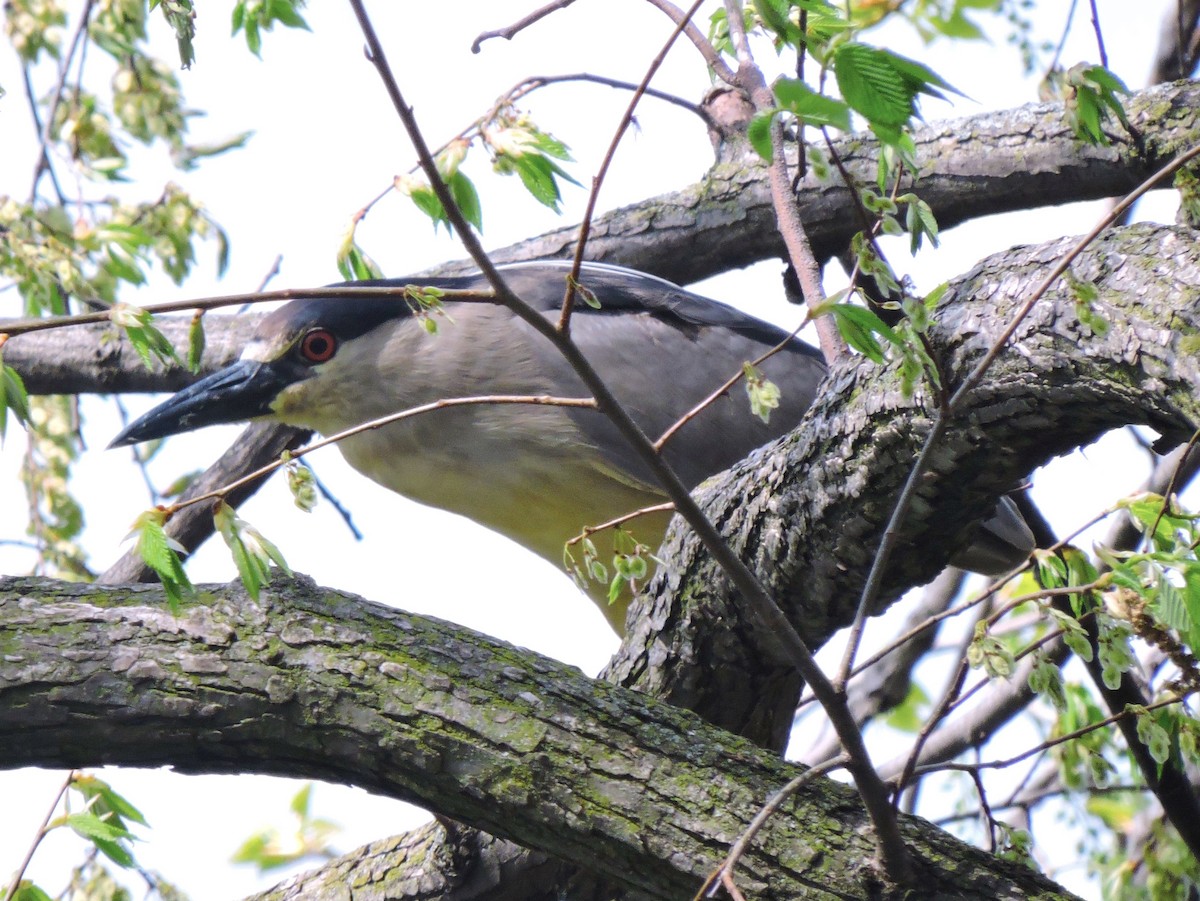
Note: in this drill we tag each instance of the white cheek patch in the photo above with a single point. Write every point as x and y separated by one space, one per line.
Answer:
258 351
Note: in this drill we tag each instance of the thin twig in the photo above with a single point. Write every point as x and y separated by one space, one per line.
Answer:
720 390
445 403
719 67
1004 763
1062 39
893 856
345 292
43 164
1175 476
1099 35
769 809
57 94
523 88
37 839
536 82
585 226
787 213
520 25
588 531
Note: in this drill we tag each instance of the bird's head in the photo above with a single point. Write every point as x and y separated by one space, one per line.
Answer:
296 355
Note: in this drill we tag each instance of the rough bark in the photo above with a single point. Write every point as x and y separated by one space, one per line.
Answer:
808 512
311 682
437 861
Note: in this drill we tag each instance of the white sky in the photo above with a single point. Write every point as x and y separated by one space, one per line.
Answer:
326 142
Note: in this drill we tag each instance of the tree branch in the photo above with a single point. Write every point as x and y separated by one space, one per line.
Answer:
977 166
807 513
315 683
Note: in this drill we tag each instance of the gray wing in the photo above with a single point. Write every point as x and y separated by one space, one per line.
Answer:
662 350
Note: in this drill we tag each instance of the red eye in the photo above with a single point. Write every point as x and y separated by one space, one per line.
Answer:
318 345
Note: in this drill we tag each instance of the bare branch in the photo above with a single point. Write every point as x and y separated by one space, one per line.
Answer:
520 25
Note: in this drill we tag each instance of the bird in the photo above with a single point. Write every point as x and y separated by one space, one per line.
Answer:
539 474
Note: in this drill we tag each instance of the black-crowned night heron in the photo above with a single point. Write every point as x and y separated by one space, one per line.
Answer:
538 474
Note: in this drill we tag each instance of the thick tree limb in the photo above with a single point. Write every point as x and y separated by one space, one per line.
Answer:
808 511
428 863
96 359
311 682
977 166
1019 159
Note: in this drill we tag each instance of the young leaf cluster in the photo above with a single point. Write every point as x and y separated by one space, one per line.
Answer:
150 343
631 562
1159 587
252 553
1092 95
881 86
301 483
51 254
763 393
253 17
514 144
103 821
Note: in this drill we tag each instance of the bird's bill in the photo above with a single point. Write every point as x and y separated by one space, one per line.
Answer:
241 391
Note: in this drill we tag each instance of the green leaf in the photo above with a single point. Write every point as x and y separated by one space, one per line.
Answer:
774 15
195 352
908 716
104 799
181 16
13 396
859 326
115 851
1074 635
352 262
302 485
427 202
587 295
1154 737
161 554
759 134
540 176
302 801
151 344
883 86
920 221
462 189
1093 98
252 552
810 107
1052 570
257 16
27 891
90 826
1046 680
990 654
